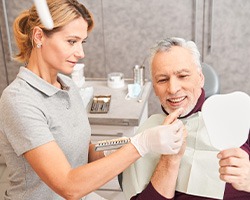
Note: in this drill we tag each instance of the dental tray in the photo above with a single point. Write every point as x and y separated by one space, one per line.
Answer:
100 104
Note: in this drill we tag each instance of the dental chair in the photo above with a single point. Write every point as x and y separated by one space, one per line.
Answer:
211 87
212 84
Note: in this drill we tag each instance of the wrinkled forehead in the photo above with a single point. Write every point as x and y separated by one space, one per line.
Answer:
175 60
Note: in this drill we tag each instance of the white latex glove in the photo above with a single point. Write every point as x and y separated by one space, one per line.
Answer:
163 139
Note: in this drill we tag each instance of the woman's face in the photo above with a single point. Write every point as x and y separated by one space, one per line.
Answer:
62 50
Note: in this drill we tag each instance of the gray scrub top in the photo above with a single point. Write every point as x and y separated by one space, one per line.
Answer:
32 113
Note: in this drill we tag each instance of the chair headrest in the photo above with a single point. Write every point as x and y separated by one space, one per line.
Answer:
212 84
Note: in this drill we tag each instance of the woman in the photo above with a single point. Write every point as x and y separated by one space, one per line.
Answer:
44 129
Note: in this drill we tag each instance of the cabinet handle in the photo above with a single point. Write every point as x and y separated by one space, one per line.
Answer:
119 134
210 33
7 30
195 8
4 59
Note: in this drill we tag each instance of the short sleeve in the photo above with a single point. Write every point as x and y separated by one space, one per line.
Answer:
23 122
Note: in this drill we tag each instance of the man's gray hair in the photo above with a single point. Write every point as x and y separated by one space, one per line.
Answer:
167 44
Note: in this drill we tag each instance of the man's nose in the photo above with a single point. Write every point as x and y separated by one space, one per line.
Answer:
174 86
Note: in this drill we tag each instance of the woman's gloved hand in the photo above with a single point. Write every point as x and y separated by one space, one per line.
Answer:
163 139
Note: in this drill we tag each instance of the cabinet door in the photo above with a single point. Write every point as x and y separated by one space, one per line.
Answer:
9 11
3 80
228 38
132 27
125 30
3 75
100 133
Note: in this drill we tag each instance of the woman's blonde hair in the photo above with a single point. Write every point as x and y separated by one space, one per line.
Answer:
62 12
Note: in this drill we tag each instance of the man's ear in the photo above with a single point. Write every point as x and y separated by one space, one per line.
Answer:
37 35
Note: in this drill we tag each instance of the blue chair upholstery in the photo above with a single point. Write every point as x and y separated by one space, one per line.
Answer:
212 84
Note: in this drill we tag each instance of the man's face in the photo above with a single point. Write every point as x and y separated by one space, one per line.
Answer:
177 81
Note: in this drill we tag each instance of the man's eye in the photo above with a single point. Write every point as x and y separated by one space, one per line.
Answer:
84 41
183 76
161 80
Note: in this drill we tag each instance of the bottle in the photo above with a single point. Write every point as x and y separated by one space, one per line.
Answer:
139 74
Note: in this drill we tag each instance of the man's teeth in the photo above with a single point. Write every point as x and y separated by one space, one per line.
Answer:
177 100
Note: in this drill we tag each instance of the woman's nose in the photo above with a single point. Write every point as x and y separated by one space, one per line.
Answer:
79 52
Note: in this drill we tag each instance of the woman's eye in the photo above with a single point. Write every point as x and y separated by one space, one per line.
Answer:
71 42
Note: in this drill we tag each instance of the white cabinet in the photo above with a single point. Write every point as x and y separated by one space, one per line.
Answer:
110 132
110 190
8 67
122 120
227 41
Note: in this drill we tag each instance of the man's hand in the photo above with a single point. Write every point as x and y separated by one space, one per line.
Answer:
171 118
166 172
235 168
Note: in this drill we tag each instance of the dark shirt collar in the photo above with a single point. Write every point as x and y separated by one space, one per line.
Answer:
195 109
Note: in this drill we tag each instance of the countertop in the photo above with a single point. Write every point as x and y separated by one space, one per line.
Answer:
122 112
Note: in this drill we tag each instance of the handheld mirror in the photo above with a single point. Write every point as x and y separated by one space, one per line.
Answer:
227 119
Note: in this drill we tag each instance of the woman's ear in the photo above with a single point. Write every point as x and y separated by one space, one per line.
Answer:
37 36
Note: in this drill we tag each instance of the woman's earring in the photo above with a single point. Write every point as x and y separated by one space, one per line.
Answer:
38 46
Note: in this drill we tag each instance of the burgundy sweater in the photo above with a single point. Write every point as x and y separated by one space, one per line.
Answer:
149 193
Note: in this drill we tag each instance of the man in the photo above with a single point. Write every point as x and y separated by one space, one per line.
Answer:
192 173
